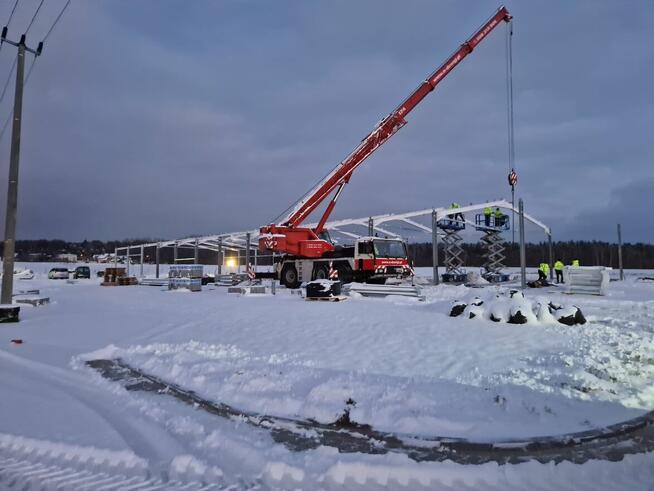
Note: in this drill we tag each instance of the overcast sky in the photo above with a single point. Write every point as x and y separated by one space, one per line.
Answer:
159 118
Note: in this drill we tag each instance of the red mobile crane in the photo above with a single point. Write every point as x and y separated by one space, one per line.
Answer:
308 250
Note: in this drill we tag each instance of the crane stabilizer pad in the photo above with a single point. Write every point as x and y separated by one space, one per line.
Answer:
608 443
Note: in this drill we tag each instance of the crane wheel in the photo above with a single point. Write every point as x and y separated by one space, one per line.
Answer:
320 272
290 277
345 273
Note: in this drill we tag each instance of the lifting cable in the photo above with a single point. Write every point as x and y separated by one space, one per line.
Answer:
513 176
509 94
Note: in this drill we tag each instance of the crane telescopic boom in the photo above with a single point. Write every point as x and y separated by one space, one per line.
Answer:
287 236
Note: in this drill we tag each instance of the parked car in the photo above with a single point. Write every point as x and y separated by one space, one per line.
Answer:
82 272
58 274
23 274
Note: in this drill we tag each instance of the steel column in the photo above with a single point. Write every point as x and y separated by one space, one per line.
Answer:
620 252
220 255
157 258
247 251
141 272
196 252
523 257
434 246
551 252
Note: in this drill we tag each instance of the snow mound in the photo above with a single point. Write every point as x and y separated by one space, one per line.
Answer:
512 307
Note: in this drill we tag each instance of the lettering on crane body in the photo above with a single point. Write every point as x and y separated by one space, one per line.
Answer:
390 262
447 68
485 31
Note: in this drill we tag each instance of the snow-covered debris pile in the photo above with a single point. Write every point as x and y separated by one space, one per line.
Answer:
513 308
474 278
323 288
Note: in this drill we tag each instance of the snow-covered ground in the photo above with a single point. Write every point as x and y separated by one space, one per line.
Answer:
404 366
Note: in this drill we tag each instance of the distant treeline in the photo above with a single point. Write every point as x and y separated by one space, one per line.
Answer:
43 250
47 250
589 253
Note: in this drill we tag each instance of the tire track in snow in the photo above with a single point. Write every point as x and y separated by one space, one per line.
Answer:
144 437
35 476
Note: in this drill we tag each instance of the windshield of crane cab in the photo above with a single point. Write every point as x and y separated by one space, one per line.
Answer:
389 248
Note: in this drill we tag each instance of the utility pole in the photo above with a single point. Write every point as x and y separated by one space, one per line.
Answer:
14 160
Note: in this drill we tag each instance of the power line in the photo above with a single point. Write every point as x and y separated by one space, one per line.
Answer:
34 16
27 77
29 71
11 72
11 16
56 20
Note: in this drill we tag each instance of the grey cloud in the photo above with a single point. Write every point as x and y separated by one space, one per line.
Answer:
170 118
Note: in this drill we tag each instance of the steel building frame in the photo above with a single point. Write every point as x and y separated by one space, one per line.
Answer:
238 241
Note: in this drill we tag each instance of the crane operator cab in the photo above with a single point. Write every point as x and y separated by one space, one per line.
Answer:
376 259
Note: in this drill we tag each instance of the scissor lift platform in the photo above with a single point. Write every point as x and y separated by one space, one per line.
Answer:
454 271
492 227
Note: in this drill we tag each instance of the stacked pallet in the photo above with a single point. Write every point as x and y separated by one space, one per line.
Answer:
117 277
185 276
154 281
232 279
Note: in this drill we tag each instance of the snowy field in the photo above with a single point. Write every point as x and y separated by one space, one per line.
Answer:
397 364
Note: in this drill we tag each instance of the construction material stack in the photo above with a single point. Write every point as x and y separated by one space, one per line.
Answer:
185 276
117 277
589 280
